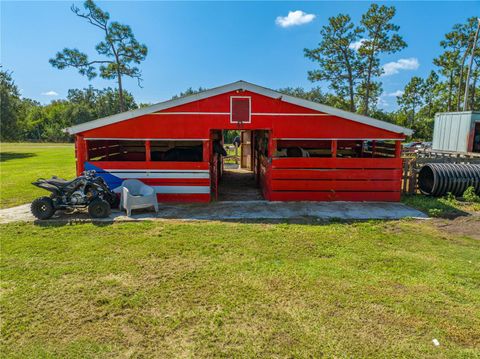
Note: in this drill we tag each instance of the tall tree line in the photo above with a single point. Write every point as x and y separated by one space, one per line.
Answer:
347 59
443 90
348 56
23 119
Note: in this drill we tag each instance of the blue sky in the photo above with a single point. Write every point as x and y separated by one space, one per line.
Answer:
208 44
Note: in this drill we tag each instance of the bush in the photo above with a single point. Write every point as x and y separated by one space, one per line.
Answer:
470 196
450 198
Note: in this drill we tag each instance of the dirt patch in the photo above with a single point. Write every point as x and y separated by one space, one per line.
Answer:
463 225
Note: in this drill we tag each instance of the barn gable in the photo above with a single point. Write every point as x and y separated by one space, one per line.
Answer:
269 108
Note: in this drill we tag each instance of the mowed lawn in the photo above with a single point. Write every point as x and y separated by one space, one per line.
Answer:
213 289
200 290
23 163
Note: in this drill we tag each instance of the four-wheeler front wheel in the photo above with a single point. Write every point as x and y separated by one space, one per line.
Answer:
113 200
99 208
42 208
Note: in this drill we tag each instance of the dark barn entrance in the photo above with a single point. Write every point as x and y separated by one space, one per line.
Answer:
239 177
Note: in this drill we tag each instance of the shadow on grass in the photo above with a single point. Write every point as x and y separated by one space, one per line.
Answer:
438 207
310 221
8 156
62 222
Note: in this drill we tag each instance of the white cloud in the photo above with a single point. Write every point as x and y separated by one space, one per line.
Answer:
395 94
392 68
382 103
294 18
50 93
356 45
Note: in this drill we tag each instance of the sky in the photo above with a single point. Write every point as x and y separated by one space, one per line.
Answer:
209 44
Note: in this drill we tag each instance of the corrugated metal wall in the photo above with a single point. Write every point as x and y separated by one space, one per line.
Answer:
452 131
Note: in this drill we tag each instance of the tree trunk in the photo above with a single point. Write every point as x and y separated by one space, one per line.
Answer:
366 98
467 80
450 84
352 99
351 90
350 82
460 79
474 85
369 75
120 92
119 77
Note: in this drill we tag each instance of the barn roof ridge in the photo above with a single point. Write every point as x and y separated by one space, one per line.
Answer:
238 85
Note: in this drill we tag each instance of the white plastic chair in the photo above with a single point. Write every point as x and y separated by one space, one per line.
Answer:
136 194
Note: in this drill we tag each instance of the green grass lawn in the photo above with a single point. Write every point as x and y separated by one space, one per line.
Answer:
23 163
167 289
176 289
443 207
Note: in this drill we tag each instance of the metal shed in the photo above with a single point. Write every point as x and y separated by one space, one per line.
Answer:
294 149
457 132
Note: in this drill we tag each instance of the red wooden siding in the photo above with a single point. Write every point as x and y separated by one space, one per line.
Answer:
336 179
214 113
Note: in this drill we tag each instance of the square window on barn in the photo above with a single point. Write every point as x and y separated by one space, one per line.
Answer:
116 150
240 107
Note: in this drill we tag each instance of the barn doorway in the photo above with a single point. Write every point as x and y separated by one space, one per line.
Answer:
238 178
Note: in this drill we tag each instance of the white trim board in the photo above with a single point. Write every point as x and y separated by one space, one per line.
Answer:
339 139
190 113
146 174
151 170
143 139
176 189
182 189
238 86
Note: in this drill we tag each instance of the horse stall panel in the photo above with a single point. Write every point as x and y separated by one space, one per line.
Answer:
264 172
336 179
172 181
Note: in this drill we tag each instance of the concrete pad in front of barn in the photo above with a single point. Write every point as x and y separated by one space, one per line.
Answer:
241 211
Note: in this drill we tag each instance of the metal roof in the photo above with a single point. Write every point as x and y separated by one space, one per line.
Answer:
238 85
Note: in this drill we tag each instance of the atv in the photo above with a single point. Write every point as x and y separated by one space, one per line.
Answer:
86 191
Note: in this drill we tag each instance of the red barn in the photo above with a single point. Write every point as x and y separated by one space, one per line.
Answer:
294 149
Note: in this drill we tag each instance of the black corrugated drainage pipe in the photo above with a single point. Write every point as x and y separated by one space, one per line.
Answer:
437 179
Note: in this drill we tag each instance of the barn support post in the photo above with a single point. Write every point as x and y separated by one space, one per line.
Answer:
272 146
398 149
374 146
334 148
206 151
81 152
148 153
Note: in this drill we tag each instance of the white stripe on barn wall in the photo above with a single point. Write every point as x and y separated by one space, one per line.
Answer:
148 170
140 175
175 189
181 189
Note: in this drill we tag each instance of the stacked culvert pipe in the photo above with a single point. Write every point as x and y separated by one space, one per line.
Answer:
438 179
